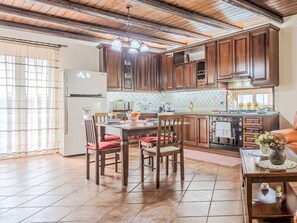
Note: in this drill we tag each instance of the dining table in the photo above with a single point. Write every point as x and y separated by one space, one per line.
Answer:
124 130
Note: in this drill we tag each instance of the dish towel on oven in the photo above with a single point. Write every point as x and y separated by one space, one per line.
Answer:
223 129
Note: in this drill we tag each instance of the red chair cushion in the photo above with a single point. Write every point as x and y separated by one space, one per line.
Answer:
111 138
105 145
150 139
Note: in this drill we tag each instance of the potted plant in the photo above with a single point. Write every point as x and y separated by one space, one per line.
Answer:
263 142
277 145
278 191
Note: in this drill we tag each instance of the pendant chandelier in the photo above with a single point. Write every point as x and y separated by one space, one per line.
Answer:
135 45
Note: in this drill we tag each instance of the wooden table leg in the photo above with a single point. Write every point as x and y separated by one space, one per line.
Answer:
124 158
249 197
102 133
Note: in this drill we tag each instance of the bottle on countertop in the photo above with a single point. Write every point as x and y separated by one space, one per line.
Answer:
191 107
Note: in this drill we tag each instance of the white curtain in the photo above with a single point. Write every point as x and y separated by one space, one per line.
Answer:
31 99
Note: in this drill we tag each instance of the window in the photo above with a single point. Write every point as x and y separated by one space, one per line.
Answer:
31 99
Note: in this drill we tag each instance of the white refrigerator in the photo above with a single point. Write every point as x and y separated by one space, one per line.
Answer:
85 92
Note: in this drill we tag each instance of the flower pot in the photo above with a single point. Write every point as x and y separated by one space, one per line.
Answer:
278 194
277 157
265 149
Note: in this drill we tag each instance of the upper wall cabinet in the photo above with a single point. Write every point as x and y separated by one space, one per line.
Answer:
211 64
233 57
129 74
190 73
143 76
155 67
114 69
167 72
264 50
179 76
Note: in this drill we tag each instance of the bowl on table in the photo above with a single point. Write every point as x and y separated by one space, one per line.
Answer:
133 116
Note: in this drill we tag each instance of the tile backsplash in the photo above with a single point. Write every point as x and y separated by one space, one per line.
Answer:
179 101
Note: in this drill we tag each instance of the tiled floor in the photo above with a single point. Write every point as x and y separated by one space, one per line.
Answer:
52 188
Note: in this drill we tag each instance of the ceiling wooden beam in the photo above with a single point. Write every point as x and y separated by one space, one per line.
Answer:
54 32
190 15
81 25
84 9
256 9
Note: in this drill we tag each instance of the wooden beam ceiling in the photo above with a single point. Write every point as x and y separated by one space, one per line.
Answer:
80 25
54 32
84 9
256 9
193 16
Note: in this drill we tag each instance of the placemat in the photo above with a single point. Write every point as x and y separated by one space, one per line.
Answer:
289 164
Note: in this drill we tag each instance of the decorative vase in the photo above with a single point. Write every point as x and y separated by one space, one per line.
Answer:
277 157
265 149
278 194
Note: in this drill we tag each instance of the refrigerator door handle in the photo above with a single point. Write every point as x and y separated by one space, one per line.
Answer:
66 118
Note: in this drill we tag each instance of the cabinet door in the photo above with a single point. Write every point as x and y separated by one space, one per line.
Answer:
179 76
202 131
189 131
190 76
130 68
259 57
163 73
142 77
169 72
211 64
241 55
114 69
225 58
155 73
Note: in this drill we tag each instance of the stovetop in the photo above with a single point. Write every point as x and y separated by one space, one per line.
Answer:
235 112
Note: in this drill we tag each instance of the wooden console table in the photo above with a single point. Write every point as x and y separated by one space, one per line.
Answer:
263 204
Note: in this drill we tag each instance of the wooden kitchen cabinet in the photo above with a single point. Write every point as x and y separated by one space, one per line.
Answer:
143 73
196 133
211 64
264 54
189 134
129 71
225 58
155 78
179 77
202 131
241 57
167 72
114 69
190 79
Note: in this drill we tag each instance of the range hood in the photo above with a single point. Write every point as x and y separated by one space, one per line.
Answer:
235 79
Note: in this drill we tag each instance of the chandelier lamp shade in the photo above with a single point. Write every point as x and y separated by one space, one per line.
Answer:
135 45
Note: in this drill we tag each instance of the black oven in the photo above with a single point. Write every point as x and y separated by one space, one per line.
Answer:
225 132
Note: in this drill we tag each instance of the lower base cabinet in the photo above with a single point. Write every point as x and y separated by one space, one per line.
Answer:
196 133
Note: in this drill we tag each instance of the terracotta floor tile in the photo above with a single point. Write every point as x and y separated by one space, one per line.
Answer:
105 199
87 213
18 214
66 189
192 209
43 201
157 210
138 197
123 211
147 186
229 219
221 208
14 201
202 185
2 210
168 196
37 190
190 220
115 220
50 214
8 191
226 195
221 185
204 177
176 178
201 195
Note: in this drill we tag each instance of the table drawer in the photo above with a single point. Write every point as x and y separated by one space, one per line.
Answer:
252 130
248 139
252 121
250 145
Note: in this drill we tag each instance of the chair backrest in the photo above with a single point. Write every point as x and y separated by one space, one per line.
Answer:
295 121
103 117
170 131
91 131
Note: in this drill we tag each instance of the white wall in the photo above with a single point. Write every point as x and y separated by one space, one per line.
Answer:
78 55
287 90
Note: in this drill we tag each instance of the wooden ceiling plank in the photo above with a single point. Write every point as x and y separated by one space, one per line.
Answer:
256 9
81 25
53 32
84 9
190 15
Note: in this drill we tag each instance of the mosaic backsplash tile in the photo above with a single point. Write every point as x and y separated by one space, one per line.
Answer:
179 101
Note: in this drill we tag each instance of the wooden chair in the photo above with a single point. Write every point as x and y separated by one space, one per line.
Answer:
103 117
100 149
169 143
